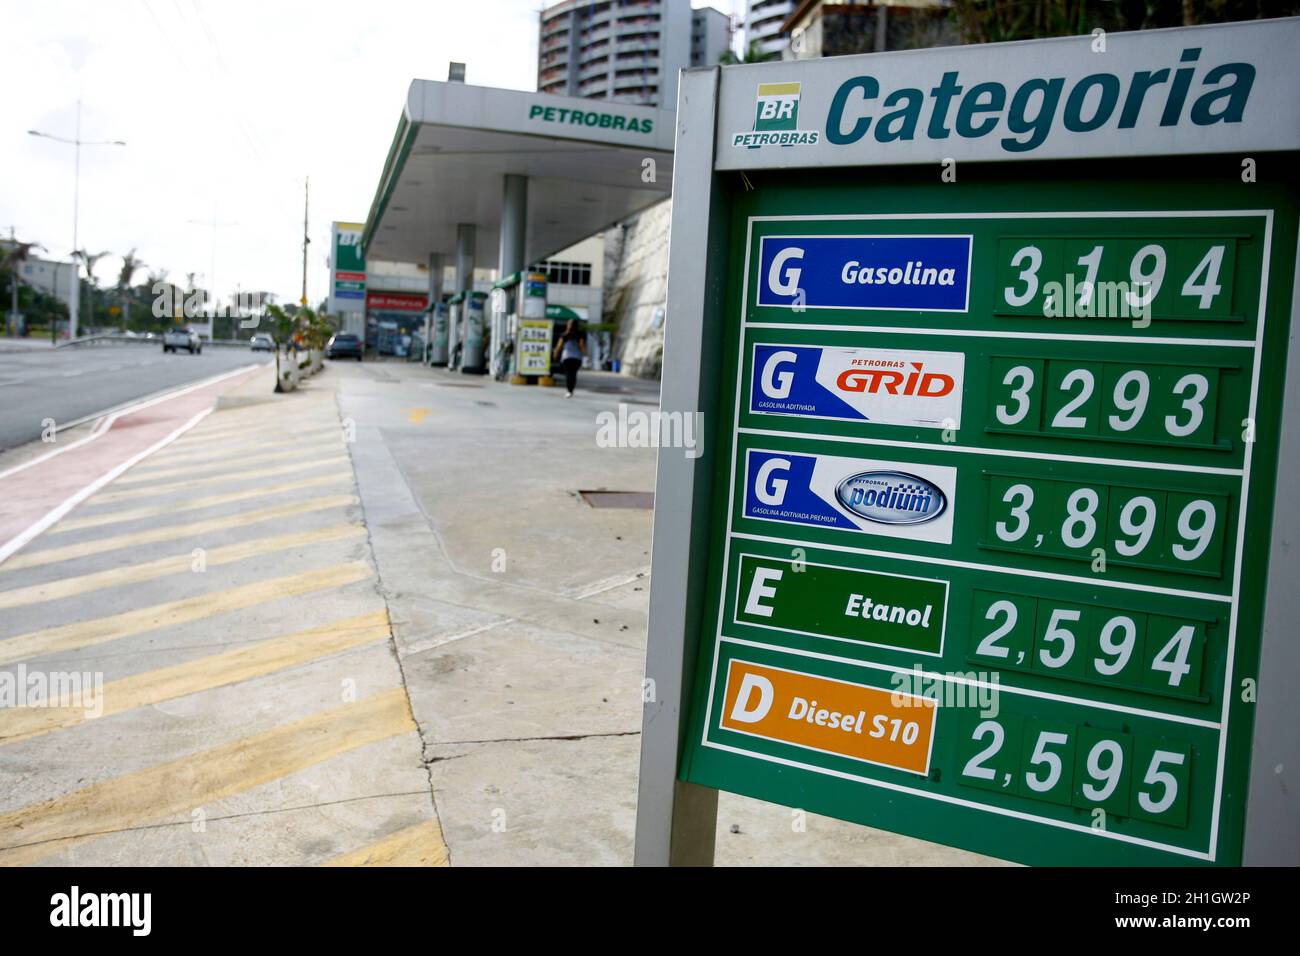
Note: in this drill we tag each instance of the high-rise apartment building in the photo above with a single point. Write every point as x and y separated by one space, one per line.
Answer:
628 51
817 28
763 22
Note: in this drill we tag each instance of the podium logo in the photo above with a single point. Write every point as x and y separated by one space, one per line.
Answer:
776 119
891 497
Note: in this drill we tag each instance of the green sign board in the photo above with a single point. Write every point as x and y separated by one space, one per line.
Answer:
347 267
986 555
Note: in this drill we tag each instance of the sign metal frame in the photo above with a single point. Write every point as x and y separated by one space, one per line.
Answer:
676 820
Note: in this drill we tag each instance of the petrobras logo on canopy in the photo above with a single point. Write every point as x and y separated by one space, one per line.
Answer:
602 119
886 498
882 386
910 273
776 119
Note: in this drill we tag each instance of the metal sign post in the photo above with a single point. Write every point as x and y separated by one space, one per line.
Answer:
992 349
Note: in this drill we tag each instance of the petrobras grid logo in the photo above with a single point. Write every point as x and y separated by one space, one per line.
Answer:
882 386
776 119
887 498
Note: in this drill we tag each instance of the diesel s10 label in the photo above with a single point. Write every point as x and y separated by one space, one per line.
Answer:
926 273
883 386
886 498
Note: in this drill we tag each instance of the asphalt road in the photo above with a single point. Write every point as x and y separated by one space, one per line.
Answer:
67 384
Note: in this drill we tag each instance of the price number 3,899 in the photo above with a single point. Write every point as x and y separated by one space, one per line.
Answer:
1172 531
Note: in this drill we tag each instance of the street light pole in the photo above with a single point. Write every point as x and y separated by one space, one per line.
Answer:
76 142
214 224
74 307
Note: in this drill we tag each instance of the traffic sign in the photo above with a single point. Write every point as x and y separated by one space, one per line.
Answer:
985 549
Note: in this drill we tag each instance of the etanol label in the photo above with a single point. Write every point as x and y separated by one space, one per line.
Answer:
888 498
884 386
843 604
875 726
930 273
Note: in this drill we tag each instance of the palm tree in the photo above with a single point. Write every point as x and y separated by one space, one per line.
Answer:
91 260
18 253
130 266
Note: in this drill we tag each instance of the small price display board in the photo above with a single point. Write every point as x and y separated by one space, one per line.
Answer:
986 554
534 346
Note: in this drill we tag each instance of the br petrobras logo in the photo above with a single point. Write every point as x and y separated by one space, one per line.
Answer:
887 498
776 119
884 386
778 106
892 497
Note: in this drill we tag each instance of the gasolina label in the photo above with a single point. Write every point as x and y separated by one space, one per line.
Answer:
882 727
865 272
885 386
893 499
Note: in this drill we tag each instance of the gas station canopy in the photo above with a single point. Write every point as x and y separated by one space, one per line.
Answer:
587 164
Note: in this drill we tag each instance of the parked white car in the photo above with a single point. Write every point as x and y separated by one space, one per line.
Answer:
182 337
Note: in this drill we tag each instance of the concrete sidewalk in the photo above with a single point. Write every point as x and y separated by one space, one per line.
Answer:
231 692
519 614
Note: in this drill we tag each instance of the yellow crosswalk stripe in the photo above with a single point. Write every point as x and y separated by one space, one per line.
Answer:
202 446
200 442
254 421
147 796
195 504
175 564
172 532
190 484
420 845
224 453
204 673
79 634
223 462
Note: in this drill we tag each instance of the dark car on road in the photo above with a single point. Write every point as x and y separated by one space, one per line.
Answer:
344 345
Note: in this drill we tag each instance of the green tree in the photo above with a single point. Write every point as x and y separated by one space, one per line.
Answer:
19 253
992 21
90 260
130 266
754 54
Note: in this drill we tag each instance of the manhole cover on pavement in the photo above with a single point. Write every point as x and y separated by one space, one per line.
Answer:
619 499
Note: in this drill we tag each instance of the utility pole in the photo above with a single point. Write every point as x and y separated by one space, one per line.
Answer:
306 238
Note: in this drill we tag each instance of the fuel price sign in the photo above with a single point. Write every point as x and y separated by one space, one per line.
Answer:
986 551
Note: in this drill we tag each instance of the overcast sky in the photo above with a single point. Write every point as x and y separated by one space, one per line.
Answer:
225 108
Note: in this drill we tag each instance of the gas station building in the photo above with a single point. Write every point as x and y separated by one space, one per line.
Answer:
479 178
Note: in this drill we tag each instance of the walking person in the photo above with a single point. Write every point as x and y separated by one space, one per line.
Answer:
569 352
